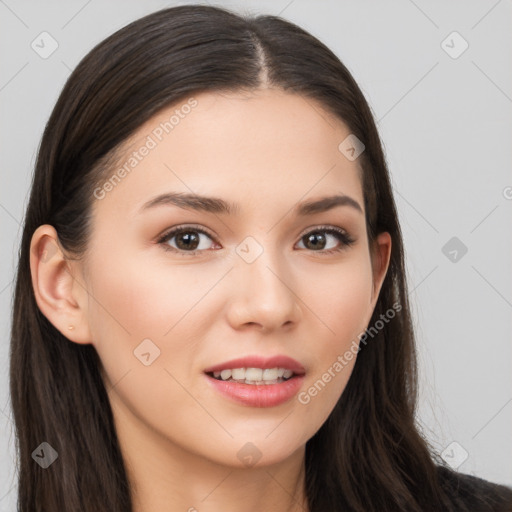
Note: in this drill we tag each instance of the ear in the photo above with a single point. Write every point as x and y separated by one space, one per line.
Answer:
380 264
60 296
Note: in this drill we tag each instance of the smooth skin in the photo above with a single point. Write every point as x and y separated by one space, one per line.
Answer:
267 151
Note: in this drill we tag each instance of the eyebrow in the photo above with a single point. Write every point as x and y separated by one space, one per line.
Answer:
216 205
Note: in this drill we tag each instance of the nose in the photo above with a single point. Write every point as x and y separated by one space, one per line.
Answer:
263 295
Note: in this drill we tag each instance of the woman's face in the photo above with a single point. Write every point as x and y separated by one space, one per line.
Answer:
265 279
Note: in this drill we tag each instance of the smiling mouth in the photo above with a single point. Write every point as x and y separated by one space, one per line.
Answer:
254 376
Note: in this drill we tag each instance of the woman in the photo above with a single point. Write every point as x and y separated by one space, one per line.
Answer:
211 307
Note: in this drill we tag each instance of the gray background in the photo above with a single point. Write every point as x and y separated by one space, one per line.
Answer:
446 127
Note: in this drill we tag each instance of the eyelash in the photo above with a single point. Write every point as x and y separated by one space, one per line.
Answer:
345 239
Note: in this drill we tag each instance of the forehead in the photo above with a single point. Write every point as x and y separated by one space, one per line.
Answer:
249 147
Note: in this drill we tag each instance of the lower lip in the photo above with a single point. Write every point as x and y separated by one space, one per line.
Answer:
255 395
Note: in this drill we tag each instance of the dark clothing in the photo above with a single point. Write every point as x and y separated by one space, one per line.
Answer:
472 494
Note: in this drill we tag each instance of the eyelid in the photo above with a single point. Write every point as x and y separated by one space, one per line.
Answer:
323 227
183 227
314 227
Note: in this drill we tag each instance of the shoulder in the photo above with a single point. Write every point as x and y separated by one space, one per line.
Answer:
467 492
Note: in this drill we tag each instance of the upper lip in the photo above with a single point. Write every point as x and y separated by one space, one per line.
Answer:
279 361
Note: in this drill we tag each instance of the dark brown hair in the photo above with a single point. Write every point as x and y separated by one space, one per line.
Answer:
369 454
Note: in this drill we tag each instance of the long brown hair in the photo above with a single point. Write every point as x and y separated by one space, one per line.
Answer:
369 454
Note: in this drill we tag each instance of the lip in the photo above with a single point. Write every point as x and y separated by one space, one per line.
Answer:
279 361
258 395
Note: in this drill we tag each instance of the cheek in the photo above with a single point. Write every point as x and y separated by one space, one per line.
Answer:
133 301
141 297
341 302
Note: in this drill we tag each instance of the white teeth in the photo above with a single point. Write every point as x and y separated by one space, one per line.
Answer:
224 374
238 373
270 374
254 375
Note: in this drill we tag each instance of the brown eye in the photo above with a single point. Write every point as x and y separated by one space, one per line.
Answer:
317 240
314 240
187 240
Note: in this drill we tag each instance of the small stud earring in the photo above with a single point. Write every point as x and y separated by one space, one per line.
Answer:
71 327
